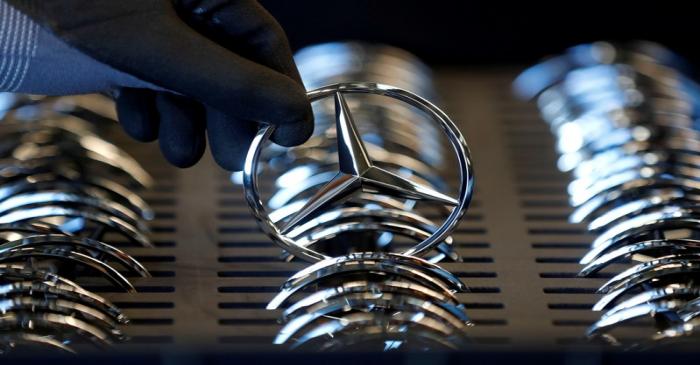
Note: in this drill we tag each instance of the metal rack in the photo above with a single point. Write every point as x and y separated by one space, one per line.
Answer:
214 271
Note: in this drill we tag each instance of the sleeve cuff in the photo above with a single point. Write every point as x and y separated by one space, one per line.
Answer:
18 44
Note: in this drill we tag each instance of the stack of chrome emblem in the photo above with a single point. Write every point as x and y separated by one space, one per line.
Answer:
357 198
625 119
64 192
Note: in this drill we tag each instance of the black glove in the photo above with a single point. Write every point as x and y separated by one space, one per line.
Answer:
191 65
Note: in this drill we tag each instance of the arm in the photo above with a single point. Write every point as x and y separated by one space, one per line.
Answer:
183 70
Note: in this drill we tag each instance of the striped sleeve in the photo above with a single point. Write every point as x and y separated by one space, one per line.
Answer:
18 45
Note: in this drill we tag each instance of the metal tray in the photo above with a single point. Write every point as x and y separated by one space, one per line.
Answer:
215 271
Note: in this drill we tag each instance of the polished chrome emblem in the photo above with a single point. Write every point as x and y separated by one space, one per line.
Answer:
358 174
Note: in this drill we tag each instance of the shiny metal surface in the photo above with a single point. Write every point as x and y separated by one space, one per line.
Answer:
61 197
343 200
625 119
64 291
520 252
357 172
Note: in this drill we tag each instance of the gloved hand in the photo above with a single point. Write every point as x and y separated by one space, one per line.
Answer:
180 67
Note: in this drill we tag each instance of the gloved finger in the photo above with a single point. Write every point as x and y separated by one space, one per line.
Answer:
136 111
243 26
159 48
292 134
229 139
182 124
246 27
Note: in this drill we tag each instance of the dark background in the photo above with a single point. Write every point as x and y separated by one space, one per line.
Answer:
494 32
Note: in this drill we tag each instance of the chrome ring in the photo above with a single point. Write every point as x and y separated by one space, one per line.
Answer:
457 141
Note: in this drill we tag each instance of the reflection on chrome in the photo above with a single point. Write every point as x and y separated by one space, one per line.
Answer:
361 201
390 287
63 190
625 119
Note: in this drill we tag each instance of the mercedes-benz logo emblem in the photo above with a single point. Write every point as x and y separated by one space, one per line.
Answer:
358 174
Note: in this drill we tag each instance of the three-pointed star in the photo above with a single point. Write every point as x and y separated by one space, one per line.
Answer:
357 172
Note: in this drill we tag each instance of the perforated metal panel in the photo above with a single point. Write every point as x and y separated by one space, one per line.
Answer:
214 271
